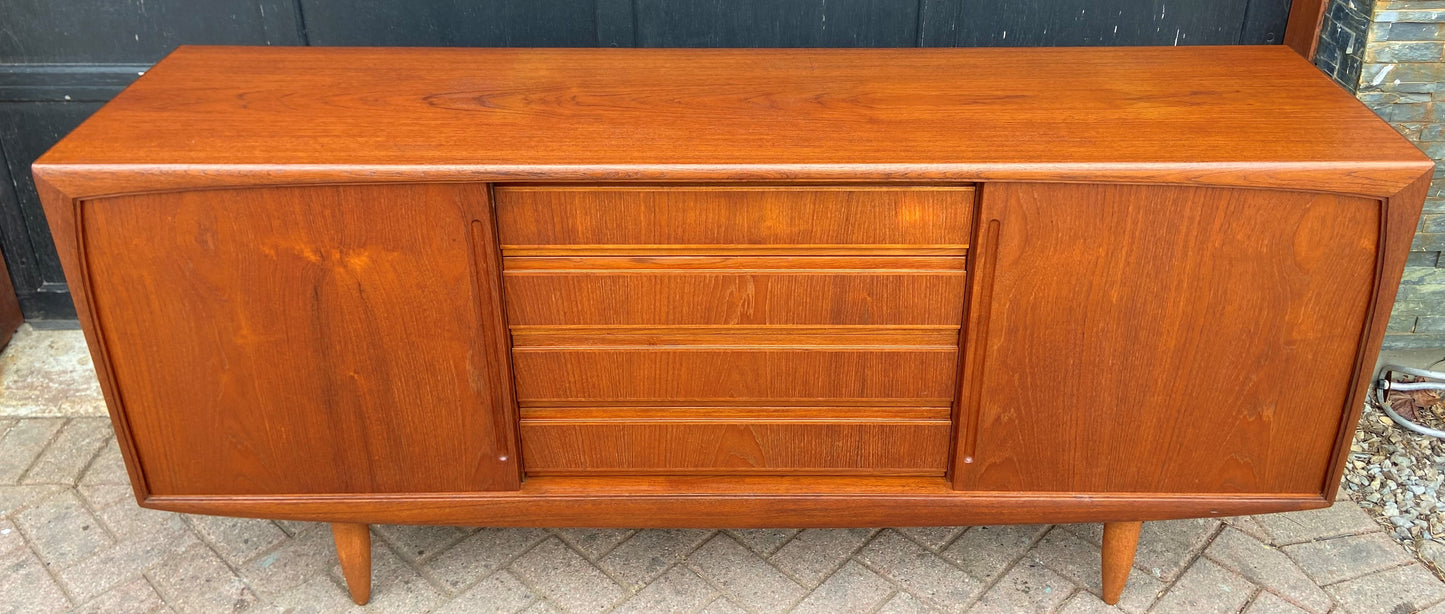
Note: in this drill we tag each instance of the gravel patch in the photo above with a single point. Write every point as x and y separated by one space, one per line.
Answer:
1395 475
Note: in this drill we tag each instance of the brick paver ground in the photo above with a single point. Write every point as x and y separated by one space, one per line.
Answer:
73 539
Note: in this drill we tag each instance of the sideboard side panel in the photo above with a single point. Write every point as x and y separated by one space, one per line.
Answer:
304 339
1162 339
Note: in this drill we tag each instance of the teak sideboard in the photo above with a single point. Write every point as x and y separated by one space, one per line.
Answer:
733 288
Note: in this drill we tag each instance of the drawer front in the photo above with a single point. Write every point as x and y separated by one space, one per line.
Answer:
538 220
733 375
716 330
778 290
733 447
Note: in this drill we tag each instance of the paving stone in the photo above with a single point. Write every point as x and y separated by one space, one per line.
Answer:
722 606
678 590
852 589
743 575
1166 547
10 537
62 530
1028 587
1268 567
107 468
25 587
1335 560
1343 518
932 538
815 553
101 496
1269 603
1078 560
1206 588
418 542
985 552
48 373
542 607
566 578
1085 602
1250 526
134 596
124 561
70 452
13 499
395 586
499 593
294 527
646 554
919 571
1399 589
1328 546
237 539
83 405
906 603
319 594
593 543
294 563
22 442
126 520
763 541
197 580
480 554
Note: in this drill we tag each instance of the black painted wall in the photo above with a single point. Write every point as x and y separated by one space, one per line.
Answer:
61 59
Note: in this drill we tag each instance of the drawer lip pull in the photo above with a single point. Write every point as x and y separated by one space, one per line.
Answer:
491 299
972 385
733 219
703 249
746 447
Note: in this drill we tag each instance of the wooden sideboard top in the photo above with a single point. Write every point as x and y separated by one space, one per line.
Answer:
209 116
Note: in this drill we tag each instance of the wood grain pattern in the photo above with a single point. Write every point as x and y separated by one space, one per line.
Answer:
1209 116
754 446
1208 350
302 340
783 290
735 375
772 337
10 316
1121 539
767 413
937 337
1302 33
851 262
738 502
353 549
1261 306
704 218
1399 217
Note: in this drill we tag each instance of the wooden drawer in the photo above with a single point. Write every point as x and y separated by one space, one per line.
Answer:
734 330
538 220
682 375
776 290
900 447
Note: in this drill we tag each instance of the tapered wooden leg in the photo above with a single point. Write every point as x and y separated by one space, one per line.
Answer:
353 547
1120 540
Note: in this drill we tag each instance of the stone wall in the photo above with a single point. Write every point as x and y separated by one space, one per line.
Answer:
1389 53
1342 40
